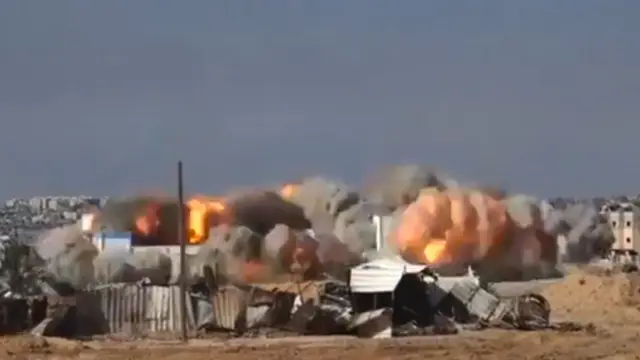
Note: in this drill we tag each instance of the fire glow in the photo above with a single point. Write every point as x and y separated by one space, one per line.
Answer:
200 209
443 227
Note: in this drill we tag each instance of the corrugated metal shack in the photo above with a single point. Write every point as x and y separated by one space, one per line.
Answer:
241 308
136 310
390 291
373 287
289 305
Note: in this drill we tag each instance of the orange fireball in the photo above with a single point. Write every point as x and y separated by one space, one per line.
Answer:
453 225
200 208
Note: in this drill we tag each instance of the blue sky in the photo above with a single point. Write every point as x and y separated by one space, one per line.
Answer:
102 97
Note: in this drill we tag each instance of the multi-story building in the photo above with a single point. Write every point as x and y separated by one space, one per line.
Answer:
624 219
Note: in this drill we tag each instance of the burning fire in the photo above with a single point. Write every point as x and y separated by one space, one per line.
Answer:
436 250
148 222
288 190
453 225
200 210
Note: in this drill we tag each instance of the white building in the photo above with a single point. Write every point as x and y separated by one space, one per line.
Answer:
624 220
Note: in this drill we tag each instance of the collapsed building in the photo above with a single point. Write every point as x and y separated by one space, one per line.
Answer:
310 257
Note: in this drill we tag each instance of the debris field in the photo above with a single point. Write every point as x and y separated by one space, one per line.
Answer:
315 269
606 327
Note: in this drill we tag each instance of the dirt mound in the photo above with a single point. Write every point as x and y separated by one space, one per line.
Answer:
611 298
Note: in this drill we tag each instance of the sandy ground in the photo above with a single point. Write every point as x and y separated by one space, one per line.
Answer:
608 306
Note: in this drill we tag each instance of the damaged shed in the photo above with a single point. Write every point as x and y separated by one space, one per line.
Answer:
379 298
389 293
121 309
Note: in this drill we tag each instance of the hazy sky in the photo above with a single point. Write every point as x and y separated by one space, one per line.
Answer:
103 97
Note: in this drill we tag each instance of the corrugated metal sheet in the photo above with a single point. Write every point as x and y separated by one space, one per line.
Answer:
382 275
479 302
446 283
229 305
439 288
301 317
138 309
237 309
258 316
373 324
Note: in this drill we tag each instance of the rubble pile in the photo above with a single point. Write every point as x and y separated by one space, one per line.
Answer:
386 297
420 303
307 258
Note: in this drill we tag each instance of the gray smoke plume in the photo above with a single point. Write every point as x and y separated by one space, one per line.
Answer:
529 246
528 249
257 210
395 186
587 232
123 266
279 242
526 252
318 253
262 210
335 256
333 252
333 208
288 251
354 227
322 200
68 255
115 266
225 251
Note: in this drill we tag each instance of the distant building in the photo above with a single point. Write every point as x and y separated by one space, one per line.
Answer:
52 203
36 203
624 219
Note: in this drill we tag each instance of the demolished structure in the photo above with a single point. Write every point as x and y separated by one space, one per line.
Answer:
415 254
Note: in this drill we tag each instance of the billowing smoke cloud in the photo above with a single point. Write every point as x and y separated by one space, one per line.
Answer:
337 213
120 215
587 233
123 266
319 225
400 185
262 210
258 210
501 234
322 200
531 250
229 251
68 255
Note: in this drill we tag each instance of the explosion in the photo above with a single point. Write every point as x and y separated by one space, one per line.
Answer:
148 222
450 226
288 190
442 224
203 212
200 211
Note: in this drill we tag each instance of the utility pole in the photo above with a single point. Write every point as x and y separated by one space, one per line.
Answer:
183 260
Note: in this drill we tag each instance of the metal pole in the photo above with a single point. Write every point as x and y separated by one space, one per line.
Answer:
183 262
